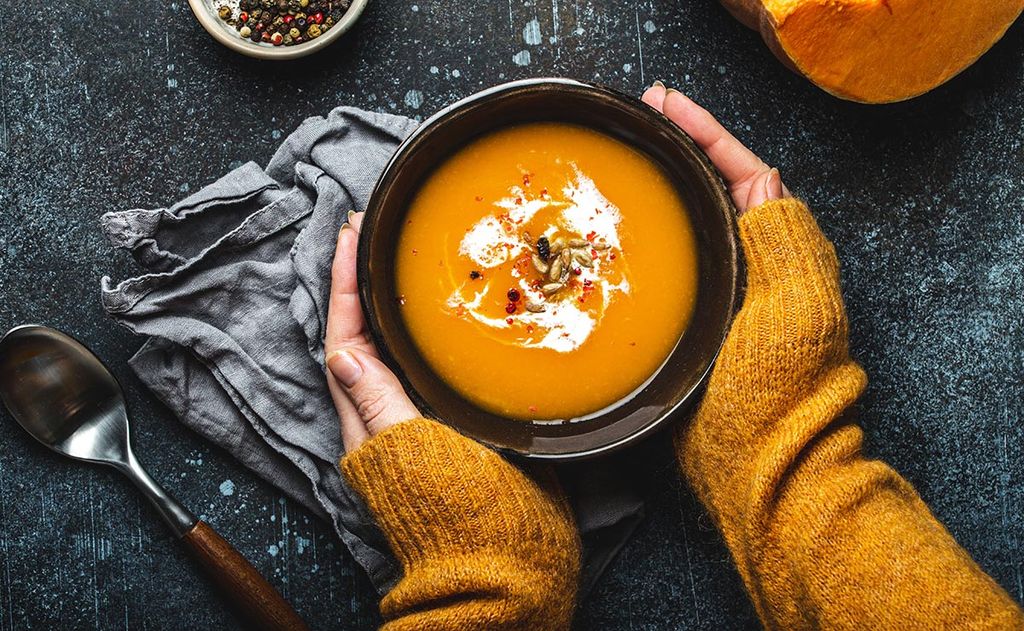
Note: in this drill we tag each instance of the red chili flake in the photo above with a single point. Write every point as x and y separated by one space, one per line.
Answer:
593 252
479 198
513 295
533 408
529 328
415 251
526 179
591 235
510 308
582 299
509 320
632 343
519 200
587 283
544 191
611 256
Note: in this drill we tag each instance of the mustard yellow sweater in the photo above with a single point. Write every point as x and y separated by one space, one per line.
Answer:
482 545
823 538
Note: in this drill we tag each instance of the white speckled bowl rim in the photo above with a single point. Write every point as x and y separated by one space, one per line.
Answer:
225 34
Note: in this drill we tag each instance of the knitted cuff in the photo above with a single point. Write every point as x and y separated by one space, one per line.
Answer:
436 493
784 245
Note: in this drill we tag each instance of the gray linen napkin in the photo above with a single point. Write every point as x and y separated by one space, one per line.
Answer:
234 304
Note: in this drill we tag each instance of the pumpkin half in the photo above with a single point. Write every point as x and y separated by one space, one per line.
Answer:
878 51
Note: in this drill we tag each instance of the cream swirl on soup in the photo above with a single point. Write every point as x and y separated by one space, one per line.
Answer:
567 320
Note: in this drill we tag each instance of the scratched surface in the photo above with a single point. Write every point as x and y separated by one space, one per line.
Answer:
132 104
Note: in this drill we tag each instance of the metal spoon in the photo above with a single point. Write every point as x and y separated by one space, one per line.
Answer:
67 399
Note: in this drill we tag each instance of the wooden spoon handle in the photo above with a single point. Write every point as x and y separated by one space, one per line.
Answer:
254 598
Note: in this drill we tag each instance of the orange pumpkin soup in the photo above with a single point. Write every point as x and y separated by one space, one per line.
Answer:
546 270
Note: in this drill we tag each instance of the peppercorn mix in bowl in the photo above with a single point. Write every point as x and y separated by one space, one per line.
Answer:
277 29
550 267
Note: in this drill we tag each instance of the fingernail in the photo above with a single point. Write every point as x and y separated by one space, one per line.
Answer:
773 185
344 367
657 84
351 214
672 90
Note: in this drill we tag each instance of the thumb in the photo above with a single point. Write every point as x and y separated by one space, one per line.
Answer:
766 187
373 389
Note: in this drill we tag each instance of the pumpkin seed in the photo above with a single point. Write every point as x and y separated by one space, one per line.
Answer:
578 243
550 288
543 248
534 307
601 245
583 258
539 264
557 245
555 271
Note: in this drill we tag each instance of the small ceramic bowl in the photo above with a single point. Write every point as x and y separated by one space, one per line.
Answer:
206 12
667 393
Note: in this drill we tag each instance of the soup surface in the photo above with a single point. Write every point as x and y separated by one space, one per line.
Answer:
545 271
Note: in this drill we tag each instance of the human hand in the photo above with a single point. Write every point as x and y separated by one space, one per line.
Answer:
751 182
789 341
366 394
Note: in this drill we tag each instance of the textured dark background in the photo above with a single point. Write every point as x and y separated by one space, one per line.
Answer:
105 106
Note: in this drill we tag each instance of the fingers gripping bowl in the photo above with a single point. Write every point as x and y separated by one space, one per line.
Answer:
550 267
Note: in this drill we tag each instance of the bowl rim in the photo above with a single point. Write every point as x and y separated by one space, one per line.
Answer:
719 190
204 13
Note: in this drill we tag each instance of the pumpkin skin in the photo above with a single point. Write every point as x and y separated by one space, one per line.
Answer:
877 51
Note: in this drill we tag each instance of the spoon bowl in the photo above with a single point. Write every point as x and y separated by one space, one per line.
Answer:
63 396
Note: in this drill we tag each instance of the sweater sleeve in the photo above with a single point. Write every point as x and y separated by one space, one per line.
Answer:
823 537
482 545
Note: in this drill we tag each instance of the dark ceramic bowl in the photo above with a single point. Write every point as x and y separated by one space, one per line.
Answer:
670 391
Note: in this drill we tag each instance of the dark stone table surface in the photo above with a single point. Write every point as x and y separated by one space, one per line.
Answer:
105 106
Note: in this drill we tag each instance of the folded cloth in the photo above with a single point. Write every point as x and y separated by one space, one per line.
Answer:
234 304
